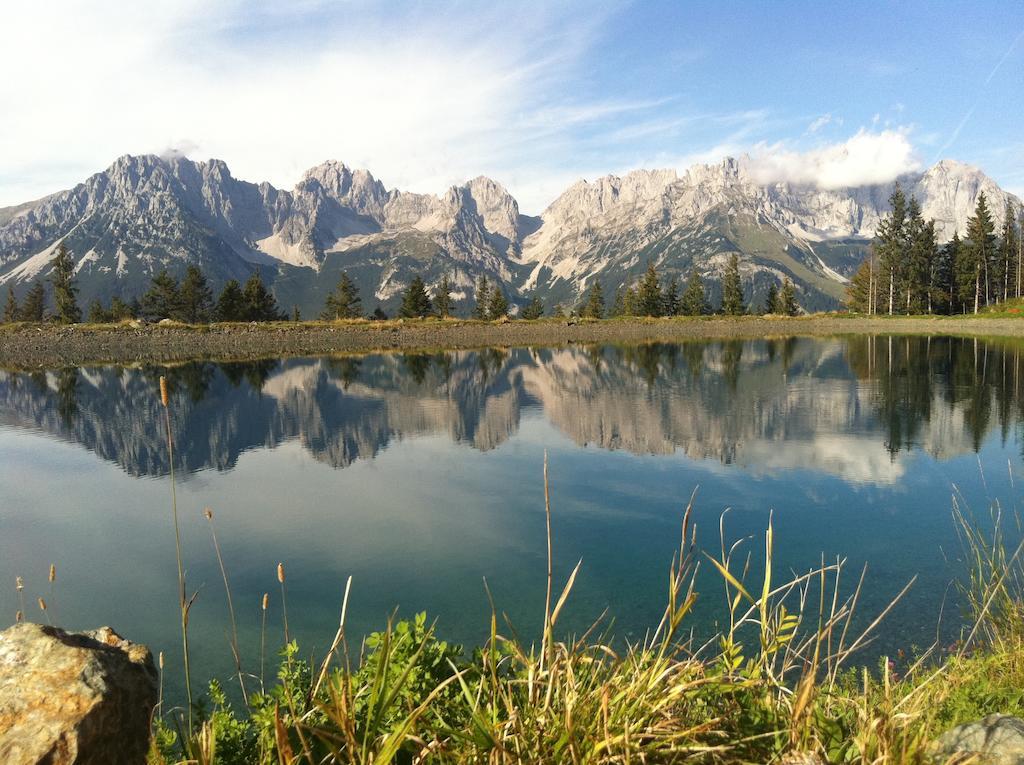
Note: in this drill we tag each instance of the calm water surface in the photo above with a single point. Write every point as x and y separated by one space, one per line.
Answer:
421 476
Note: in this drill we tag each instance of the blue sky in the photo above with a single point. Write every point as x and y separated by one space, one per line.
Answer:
535 95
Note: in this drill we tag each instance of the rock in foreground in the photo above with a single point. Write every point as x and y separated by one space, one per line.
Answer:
83 698
993 740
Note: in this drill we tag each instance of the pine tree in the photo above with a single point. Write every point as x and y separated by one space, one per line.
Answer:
97 313
231 303
787 299
119 310
1008 244
772 298
344 302
379 315
162 300
482 298
415 300
594 307
890 244
694 301
443 297
195 298
670 301
498 306
534 309
619 304
732 289
33 307
64 290
630 302
979 250
648 294
917 264
296 313
944 276
11 307
258 303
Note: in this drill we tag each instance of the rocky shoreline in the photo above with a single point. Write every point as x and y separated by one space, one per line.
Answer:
36 346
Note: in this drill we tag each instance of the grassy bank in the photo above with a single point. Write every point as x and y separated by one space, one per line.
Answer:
49 345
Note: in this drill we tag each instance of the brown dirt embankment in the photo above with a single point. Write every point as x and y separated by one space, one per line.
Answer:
33 346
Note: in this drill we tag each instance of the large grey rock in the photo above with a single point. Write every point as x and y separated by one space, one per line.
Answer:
83 698
993 740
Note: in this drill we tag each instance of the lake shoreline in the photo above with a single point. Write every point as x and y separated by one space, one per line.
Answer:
35 346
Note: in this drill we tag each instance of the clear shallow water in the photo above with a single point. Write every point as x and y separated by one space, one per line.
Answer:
422 475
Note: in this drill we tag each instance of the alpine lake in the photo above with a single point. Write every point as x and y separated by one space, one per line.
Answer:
421 477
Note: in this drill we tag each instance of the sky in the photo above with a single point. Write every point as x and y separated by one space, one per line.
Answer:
535 95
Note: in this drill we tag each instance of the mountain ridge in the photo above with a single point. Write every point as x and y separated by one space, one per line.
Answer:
144 213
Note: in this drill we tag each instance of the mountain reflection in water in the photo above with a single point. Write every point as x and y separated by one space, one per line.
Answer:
846 407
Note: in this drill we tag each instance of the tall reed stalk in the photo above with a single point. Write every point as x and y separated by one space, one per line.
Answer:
208 514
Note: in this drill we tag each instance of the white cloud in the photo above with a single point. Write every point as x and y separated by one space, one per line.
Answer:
864 159
819 123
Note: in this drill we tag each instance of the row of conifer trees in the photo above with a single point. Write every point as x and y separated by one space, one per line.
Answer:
908 272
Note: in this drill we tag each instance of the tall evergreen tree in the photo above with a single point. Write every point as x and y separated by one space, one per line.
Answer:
231 303
443 297
258 303
694 301
630 302
619 304
415 300
858 292
732 289
979 250
498 306
33 307
648 294
534 309
917 262
482 298
195 298
772 298
890 244
344 302
594 307
10 307
944 276
1008 245
670 301
787 299
64 290
97 314
162 300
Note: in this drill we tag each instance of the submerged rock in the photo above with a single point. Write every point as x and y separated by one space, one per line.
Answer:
84 698
993 740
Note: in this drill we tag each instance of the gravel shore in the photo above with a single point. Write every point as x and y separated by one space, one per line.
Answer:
34 346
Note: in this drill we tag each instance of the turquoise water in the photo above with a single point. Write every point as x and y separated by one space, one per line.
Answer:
421 476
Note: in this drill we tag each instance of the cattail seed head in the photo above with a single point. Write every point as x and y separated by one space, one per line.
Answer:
208 514
19 583
163 390
280 573
266 600
160 660
42 604
18 616
53 573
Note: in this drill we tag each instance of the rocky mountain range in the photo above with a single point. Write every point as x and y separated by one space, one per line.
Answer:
146 213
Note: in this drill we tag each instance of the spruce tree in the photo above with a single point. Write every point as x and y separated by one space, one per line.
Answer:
415 300
787 299
594 307
344 302
120 310
917 261
534 309
482 298
498 306
630 302
64 290
694 301
979 250
772 298
258 303
10 307
670 301
1008 244
619 304
97 313
944 277
891 244
732 289
33 307
443 297
195 298
162 300
648 294
231 303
